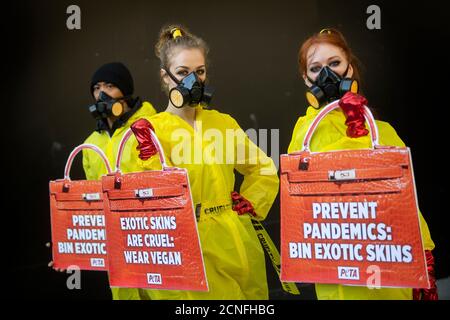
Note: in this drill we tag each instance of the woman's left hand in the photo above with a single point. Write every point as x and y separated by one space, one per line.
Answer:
242 205
141 129
352 105
431 293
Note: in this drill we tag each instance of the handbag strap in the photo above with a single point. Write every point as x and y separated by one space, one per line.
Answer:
332 106
155 140
77 150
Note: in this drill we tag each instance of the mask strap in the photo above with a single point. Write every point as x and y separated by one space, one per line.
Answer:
171 75
310 80
122 98
116 99
346 71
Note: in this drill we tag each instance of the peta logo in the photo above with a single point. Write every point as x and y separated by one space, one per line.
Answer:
154 278
97 262
348 273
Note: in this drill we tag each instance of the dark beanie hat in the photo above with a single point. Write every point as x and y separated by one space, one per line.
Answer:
115 73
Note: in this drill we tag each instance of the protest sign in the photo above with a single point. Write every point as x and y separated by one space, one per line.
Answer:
348 214
152 233
78 220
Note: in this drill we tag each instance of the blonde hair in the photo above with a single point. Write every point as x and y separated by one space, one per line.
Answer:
172 37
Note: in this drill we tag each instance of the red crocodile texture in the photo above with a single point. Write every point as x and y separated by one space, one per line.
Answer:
172 197
63 205
388 180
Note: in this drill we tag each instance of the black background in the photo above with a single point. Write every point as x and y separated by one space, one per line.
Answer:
254 46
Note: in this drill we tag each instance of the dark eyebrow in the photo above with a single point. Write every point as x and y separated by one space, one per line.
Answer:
309 57
331 58
184 67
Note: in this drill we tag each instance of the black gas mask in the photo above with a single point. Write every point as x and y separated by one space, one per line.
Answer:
189 91
329 87
107 106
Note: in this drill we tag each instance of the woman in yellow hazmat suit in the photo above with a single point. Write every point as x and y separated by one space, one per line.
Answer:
325 59
115 110
210 145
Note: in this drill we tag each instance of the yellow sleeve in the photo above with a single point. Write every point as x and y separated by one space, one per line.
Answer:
388 136
153 163
296 142
152 109
87 166
90 170
261 182
428 243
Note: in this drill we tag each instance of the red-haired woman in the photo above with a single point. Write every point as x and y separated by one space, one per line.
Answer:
329 69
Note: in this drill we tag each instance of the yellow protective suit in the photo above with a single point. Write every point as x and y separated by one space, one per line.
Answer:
234 259
331 135
93 164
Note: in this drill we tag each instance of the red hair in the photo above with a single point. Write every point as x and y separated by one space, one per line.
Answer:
335 38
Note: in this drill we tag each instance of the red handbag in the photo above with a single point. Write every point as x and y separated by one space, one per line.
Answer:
351 216
78 220
152 232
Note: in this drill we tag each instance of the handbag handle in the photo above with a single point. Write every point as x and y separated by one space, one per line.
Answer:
330 107
155 140
77 150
